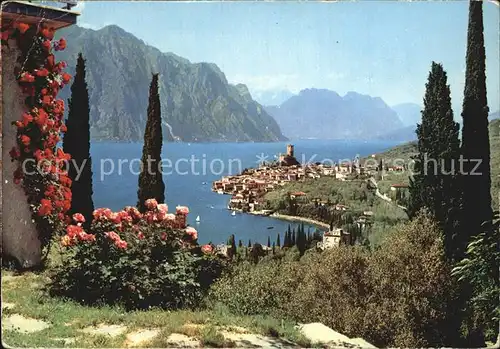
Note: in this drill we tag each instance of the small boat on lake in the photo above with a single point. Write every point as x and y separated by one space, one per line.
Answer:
198 219
234 213
270 227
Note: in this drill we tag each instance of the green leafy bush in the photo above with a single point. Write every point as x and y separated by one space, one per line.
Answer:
136 260
397 295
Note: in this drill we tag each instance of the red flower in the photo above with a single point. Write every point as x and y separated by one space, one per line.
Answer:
164 236
19 124
5 35
27 118
206 249
27 77
48 33
42 72
66 78
112 235
192 233
25 140
45 207
78 218
163 208
61 44
46 44
42 117
121 244
64 128
140 236
61 155
46 100
151 204
182 210
73 230
23 27
44 91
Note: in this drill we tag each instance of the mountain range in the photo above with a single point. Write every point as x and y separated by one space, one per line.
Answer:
271 97
197 102
321 113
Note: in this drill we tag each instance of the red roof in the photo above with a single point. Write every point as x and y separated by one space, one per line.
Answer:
298 193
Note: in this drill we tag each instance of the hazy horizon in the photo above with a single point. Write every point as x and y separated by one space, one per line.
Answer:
382 49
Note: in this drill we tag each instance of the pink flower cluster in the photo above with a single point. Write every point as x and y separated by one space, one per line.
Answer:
119 243
75 233
156 216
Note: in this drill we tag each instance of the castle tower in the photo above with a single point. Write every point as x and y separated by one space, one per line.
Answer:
289 150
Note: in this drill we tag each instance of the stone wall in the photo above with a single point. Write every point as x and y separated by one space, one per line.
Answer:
19 234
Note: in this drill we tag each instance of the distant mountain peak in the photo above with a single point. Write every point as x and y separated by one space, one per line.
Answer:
197 103
322 113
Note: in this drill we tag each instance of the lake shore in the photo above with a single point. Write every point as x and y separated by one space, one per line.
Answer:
292 218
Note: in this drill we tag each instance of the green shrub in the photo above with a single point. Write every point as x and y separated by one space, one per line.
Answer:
153 260
398 295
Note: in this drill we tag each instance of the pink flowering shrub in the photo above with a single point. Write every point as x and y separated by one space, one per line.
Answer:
137 260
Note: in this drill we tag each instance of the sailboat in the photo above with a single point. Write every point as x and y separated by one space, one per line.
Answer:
234 213
198 219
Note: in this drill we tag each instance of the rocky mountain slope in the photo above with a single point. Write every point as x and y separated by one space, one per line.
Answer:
198 104
320 113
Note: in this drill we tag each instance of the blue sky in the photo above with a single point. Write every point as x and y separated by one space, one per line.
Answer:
381 48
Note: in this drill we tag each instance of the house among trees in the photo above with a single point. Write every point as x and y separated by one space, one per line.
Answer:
334 238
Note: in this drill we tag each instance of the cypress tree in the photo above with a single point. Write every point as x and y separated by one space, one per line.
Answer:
76 142
436 182
475 136
293 242
301 241
151 184
268 241
278 240
240 244
249 243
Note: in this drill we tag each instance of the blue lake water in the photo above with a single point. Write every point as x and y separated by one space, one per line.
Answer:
189 170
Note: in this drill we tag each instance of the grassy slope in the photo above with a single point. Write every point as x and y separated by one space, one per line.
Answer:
353 194
67 318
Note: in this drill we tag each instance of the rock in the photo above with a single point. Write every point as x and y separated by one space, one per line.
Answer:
182 341
318 333
140 336
107 330
6 305
22 324
249 340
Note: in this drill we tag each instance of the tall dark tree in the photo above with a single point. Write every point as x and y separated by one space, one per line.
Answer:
436 182
278 240
151 184
231 251
76 142
475 137
249 243
301 241
268 241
